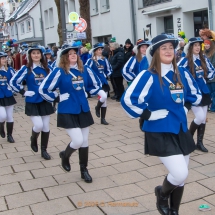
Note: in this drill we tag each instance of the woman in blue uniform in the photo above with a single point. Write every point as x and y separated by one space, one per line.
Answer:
161 97
73 114
102 68
132 68
7 100
36 107
201 69
48 55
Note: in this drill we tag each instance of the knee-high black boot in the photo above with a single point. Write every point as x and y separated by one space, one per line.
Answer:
44 145
175 200
34 137
103 114
9 126
200 135
98 107
193 127
2 132
65 155
83 160
162 193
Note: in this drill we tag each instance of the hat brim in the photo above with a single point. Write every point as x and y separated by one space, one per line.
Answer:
138 46
32 49
66 50
5 55
94 49
7 50
155 46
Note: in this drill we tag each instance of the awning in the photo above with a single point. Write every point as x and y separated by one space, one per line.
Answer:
161 10
29 40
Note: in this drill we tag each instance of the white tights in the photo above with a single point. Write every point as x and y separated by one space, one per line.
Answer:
177 165
79 137
40 123
6 113
200 114
103 97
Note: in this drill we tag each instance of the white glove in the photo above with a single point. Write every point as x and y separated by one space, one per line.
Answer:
29 93
64 97
158 114
185 110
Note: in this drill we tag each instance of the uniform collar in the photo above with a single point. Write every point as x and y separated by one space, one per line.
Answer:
195 57
74 66
36 65
165 68
3 68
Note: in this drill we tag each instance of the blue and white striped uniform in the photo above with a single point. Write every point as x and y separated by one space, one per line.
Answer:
103 72
77 100
131 69
200 81
25 74
53 65
144 65
145 93
5 77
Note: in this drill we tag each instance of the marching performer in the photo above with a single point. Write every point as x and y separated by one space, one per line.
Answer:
73 112
48 55
161 97
132 68
201 69
36 107
102 68
7 100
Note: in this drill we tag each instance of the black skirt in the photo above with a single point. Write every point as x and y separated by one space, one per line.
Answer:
81 120
167 144
7 101
206 100
43 108
106 87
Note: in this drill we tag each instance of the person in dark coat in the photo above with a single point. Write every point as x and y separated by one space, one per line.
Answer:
116 60
128 47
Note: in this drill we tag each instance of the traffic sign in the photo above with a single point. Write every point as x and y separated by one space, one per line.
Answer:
73 17
82 26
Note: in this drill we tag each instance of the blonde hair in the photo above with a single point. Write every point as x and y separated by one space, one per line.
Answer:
65 64
5 66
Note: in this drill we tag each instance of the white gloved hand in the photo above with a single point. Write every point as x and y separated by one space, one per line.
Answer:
29 93
185 110
158 114
64 97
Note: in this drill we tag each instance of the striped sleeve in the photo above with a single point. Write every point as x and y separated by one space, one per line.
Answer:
193 93
49 85
128 70
211 70
89 63
134 100
183 62
17 79
108 70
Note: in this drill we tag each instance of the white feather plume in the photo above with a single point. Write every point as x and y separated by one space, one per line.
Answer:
148 55
186 47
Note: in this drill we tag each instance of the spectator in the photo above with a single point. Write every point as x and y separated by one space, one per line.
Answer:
128 50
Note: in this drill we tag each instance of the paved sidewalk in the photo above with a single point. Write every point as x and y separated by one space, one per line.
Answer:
123 177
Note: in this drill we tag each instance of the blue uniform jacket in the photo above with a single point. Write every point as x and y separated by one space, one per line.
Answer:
145 93
25 74
144 65
77 100
200 81
102 72
5 77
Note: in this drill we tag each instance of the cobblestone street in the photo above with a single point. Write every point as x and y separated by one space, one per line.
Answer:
123 177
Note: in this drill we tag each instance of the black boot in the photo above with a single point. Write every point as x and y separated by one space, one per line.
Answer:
175 200
163 193
9 126
98 107
200 135
2 132
34 137
103 114
65 155
193 127
44 144
83 160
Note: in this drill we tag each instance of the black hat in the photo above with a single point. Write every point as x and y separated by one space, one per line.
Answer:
141 42
128 41
191 42
97 45
7 50
2 54
162 39
67 47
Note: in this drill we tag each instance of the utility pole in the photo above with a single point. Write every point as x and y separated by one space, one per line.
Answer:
63 21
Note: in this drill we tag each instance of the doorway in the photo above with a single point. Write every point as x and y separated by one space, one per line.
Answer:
200 21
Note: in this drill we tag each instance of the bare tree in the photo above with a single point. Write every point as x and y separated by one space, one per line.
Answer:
59 27
85 14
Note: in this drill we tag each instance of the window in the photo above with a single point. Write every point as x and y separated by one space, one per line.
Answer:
51 17
71 6
46 18
105 6
28 24
168 24
94 7
22 25
147 3
12 30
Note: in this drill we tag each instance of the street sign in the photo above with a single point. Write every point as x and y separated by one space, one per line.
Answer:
81 36
82 26
73 17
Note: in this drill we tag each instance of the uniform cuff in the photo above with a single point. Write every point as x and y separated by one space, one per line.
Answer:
22 91
146 114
